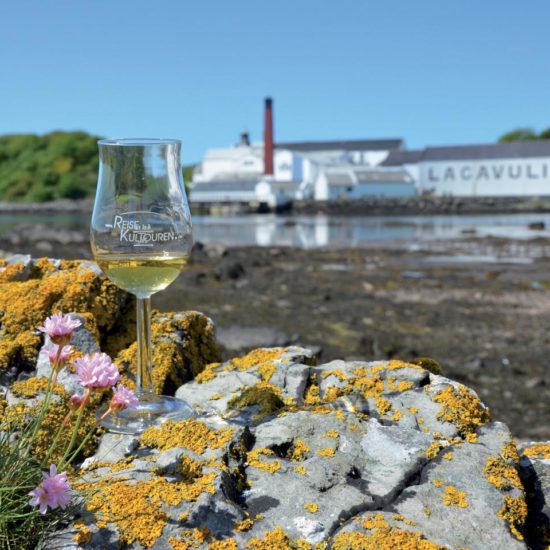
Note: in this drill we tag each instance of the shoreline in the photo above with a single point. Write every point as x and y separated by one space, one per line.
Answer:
399 206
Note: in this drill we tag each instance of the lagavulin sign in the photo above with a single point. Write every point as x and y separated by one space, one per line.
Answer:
497 177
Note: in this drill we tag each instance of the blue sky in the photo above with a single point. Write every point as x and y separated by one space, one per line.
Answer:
432 72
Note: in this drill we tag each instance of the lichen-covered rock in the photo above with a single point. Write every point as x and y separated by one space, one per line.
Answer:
288 455
31 290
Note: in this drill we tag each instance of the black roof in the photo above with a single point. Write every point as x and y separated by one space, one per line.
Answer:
347 145
398 158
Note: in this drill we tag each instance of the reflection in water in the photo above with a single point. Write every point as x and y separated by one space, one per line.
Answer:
320 230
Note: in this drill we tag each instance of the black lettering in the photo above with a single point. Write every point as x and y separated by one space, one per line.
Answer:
483 173
512 174
544 171
431 176
530 175
498 171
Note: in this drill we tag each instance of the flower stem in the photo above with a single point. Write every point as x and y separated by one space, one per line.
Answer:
76 427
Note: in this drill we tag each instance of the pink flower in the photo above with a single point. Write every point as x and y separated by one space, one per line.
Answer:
75 401
123 398
51 350
54 491
59 328
96 370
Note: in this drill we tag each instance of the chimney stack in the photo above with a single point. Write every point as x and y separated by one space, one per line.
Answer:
268 137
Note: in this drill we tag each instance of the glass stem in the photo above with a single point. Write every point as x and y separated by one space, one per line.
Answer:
144 381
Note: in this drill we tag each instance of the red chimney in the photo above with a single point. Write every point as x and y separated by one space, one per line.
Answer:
268 137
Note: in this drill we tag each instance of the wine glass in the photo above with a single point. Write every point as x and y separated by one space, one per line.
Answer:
141 238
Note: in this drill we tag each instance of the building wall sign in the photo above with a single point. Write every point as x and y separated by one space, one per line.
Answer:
486 177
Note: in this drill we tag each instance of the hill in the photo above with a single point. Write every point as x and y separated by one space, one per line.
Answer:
58 165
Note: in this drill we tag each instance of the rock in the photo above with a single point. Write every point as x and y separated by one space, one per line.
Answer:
237 338
349 453
535 475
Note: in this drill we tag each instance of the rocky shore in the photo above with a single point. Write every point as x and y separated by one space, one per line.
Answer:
480 307
285 452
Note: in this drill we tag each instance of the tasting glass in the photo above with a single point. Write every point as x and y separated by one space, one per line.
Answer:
141 238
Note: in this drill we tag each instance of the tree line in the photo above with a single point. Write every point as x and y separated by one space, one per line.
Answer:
58 165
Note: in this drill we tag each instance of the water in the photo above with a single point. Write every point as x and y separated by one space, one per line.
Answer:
324 231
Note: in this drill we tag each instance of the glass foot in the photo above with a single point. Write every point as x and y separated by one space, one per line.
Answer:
152 409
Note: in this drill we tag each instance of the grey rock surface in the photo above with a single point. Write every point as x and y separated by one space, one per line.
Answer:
353 452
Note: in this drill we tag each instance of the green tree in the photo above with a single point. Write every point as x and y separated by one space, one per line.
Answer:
519 134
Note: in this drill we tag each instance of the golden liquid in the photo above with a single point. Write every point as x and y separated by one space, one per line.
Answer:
142 276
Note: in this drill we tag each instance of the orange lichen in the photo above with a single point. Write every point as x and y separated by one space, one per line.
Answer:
453 497
461 408
253 459
190 434
514 511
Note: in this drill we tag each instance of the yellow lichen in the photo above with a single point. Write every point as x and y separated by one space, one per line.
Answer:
190 434
433 450
244 525
300 470
299 450
224 544
328 452
437 482
216 396
514 511
311 507
382 405
461 408
454 497
501 474
83 535
335 372
207 374
382 537
427 511
397 415
32 386
448 456
276 540
540 450
263 395
332 433
253 459
413 410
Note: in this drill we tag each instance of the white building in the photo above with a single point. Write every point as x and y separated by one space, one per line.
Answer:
491 170
235 174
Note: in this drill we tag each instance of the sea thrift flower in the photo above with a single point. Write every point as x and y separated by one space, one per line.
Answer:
75 401
53 492
59 328
96 370
51 351
123 398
